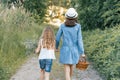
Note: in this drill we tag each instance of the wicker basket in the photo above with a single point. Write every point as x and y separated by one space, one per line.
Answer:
82 64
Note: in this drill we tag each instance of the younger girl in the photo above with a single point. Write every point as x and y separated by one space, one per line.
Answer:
46 47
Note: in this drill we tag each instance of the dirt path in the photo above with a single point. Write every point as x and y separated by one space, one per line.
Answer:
30 71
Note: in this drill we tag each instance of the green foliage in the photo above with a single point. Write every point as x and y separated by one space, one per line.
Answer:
111 15
37 7
97 13
2 73
103 49
16 29
4 1
9 3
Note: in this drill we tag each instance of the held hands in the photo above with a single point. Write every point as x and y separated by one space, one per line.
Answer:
82 57
56 50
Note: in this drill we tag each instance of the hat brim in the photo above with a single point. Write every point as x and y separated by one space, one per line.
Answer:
74 16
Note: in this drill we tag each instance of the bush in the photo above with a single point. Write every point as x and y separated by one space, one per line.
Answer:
2 74
97 13
103 48
37 8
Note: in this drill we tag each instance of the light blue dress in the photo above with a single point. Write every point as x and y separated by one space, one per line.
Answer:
72 44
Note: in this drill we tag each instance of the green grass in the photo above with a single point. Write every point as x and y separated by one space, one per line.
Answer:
18 37
103 49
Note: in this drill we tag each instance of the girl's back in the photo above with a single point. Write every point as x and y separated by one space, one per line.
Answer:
47 43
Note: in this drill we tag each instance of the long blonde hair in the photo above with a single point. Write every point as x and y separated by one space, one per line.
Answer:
48 38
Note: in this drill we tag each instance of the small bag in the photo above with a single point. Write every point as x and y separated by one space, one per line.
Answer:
82 64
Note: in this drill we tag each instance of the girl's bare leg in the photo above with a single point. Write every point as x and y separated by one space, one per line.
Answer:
42 72
67 71
47 74
71 70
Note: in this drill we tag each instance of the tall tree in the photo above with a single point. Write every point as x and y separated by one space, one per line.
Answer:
97 13
37 8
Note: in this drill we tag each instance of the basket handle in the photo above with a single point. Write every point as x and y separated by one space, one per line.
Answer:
82 59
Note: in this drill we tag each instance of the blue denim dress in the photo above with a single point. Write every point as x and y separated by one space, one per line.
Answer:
72 44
